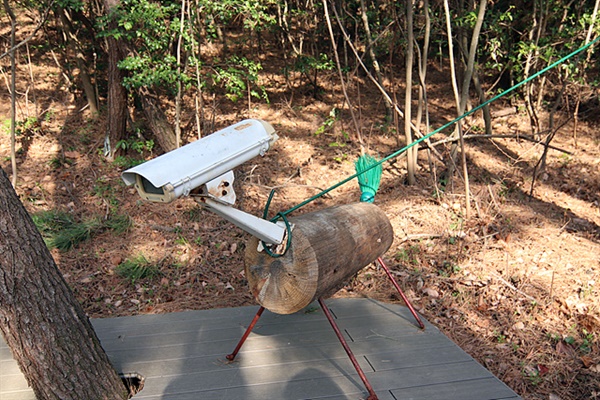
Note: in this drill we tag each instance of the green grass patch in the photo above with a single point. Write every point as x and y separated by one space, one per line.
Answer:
62 231
135 269
118 223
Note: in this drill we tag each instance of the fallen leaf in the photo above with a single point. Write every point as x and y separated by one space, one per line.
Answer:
595 368
519 326
115 260
431 292
72 154
564 349
543 370
574 304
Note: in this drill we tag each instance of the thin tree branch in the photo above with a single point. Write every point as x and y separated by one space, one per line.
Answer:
379 87
341 74
516 137
31 35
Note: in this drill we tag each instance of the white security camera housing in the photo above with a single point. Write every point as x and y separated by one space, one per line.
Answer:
178 172
208 163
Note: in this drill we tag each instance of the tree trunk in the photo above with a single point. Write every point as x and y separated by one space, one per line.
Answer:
423 57
157 120
487 115
47 331
117 95
75 44
371 49
341 74
328 247
411 153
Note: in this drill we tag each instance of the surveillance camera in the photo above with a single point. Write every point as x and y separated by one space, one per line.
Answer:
178 172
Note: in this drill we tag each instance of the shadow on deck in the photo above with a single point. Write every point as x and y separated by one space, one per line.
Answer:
182 356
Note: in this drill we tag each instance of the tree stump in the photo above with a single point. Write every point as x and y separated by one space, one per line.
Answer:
327 248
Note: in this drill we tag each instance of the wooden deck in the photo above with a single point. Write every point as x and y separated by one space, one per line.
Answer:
182 356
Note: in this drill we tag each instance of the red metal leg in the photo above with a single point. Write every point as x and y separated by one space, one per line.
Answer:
410 307
231 356
372 395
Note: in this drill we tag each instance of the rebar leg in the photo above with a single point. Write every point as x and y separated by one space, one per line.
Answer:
372 395
410 307
231 356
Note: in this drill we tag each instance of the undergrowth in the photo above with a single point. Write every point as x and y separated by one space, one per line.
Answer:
62 231
137 268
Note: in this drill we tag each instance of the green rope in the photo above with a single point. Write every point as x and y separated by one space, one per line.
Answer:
288 228
479 107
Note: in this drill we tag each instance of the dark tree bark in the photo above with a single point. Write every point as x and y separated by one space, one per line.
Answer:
157 121
46 329
117 94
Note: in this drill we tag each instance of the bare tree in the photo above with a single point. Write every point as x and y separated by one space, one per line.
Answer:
411 155
77 48
462 97
371 50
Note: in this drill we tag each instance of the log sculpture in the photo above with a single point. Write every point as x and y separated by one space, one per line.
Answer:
327 248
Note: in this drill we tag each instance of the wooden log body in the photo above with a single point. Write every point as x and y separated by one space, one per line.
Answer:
328 247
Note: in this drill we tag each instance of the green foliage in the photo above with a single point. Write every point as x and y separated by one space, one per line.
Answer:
75 5
307 64
59 161
334 116
255 15
133 144
239 77
126 162
137 268
6 125
60 230
30 125
118 223
309 67
138 146
150 27
410 255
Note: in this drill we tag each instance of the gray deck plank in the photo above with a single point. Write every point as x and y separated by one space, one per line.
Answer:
476 389
379 352
181 356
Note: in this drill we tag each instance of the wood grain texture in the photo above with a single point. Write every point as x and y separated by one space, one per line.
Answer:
328 247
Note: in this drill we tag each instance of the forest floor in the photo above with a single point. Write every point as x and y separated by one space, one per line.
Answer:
516 284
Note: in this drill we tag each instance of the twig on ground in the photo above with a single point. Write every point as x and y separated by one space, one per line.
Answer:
419 236
511 286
